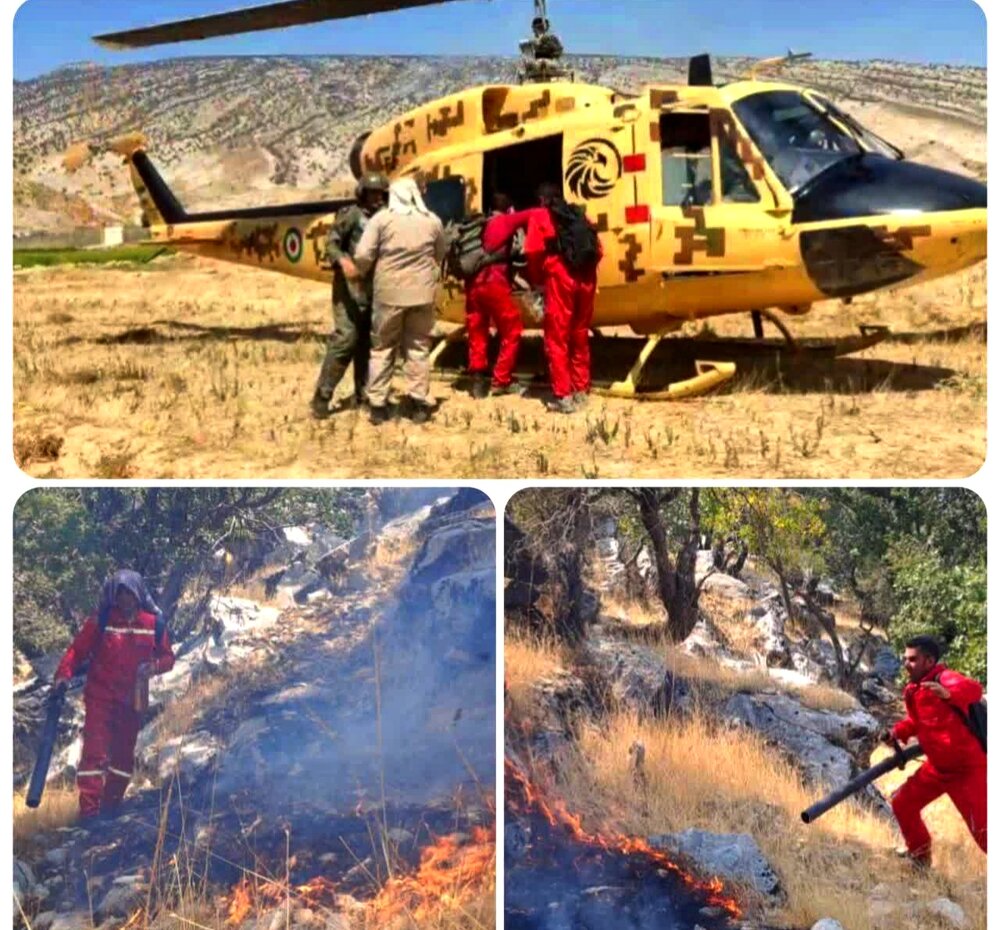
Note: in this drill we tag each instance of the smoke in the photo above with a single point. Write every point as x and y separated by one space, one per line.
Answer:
403 705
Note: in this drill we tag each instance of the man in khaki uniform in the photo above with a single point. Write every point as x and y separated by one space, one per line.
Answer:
406 245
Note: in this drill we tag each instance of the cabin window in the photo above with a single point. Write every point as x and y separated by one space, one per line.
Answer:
446 198
736 184
686 158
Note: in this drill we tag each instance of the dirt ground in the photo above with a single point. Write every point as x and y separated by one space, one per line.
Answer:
187 368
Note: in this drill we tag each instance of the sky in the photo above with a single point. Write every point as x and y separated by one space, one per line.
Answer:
52 33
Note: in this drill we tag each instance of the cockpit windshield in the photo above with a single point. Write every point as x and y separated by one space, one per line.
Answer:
797 137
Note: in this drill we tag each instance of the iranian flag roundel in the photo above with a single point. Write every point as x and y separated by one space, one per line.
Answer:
293 245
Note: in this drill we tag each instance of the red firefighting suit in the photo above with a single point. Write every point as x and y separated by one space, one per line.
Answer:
111 724
956 763
569 308
488 300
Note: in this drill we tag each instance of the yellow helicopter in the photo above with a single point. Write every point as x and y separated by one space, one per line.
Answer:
742 198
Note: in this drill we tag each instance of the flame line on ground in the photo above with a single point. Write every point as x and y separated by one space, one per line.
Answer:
268 880
558 814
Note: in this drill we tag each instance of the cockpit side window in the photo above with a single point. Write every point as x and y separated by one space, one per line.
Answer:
736 184
686 159
446 198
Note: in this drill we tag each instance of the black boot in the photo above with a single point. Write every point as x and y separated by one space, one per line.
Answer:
480 386
378 415
321 405
417 411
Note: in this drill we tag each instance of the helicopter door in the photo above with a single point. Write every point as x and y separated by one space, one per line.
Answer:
517 170
605 169
710 214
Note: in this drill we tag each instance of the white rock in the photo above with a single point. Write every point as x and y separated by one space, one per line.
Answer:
949 911
187 755
827 923
297 535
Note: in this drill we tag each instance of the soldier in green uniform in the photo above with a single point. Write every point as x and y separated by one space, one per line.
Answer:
352 299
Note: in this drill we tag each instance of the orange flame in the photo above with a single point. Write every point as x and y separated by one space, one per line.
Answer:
240 904
450 870
247 896
557 814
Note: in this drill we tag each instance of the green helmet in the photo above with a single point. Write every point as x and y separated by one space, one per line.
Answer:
372 181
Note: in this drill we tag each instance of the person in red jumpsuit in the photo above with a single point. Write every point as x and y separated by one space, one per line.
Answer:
937 701
569 307
122 656
489 300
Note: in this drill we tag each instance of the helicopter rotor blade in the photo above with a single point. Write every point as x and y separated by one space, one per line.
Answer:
252 19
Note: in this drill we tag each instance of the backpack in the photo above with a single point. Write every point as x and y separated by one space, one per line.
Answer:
466 256
576 239
975 720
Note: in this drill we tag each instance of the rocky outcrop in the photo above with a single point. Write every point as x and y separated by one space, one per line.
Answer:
893 905
633 676
823 744
734 857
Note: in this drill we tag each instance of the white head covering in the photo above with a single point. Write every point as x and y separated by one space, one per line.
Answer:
405 197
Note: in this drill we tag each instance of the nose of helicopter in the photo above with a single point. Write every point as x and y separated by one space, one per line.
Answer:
872 185
956 240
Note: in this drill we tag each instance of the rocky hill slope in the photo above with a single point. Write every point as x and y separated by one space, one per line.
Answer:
239 130
641 753
356 703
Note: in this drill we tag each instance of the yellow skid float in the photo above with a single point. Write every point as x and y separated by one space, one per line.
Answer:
708 376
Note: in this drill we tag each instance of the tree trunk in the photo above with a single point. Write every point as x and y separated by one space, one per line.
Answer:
172 590
571 561
737 567
786 595
675 580
829 624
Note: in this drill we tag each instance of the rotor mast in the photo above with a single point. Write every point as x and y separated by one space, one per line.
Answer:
542 52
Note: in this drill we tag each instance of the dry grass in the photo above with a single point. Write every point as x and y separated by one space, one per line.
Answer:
59 808
714 680
526 661
478 913
229 687
633 613
228 358
727 781
732 619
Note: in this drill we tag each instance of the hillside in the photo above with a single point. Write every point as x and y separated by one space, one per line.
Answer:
321 756
658 780
238 130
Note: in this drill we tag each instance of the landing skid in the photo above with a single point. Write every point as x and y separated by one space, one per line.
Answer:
708 375
659 376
